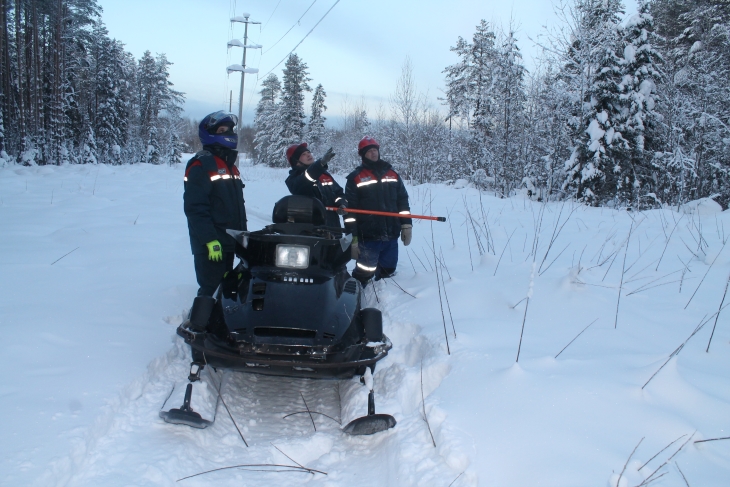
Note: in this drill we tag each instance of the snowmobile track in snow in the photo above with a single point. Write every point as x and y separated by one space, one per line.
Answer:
272 407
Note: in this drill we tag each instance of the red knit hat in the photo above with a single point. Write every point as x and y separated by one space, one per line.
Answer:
294 151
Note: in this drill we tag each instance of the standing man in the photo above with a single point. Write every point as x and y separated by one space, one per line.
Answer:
213 202
374 185
310 178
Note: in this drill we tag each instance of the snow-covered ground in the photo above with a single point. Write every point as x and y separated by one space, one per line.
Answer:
96 272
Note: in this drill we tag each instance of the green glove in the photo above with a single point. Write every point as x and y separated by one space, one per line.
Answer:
215 251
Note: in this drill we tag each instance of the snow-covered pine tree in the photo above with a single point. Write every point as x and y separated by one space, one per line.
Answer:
147 100
698 59
546 136
89 153
172 148
458 88
641 73
110 114
294 84
155 94
481 81
267 123
459 110
469 94
174 152
508 94
596 169
316 132
73 128
153 154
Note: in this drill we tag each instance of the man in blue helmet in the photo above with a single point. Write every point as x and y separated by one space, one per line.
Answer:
213 202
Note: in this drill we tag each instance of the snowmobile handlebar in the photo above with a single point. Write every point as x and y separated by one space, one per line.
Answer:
387 213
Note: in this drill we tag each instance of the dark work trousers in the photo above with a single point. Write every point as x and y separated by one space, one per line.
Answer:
377 258
210 273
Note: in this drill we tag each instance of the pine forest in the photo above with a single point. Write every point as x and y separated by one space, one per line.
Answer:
620 111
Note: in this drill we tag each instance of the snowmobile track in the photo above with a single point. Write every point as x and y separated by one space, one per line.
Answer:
272 407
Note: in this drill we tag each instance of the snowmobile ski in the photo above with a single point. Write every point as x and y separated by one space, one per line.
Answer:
185 414
372 423
206 405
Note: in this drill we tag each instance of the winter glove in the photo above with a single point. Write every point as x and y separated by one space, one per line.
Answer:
342 206
406 232
354 249
327 157
215 252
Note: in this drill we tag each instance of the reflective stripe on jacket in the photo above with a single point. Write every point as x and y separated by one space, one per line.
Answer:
376 186
316 182
213 201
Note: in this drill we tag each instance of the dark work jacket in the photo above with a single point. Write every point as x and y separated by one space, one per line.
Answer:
376 186
316 182
213 199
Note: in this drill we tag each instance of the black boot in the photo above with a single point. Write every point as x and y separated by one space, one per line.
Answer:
200 312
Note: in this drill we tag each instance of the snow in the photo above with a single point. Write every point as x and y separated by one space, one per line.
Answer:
96 273
238 43
634 20
630 53
703 206
238 67
595 132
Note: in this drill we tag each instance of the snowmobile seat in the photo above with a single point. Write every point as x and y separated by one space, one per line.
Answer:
299 209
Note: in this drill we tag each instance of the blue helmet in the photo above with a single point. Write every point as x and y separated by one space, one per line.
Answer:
210 124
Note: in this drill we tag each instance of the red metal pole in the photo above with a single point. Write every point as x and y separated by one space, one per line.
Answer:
387 213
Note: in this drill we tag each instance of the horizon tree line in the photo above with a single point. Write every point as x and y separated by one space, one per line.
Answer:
618 112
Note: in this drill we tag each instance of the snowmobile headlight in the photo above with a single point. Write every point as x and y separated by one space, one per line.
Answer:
292 256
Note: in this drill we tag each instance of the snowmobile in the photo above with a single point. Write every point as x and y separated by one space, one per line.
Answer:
289 308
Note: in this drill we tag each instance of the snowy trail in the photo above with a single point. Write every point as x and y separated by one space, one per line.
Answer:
130 445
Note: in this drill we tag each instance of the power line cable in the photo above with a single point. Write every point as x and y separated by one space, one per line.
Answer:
300 42
290 28
272 14
258 77
231 14
256 83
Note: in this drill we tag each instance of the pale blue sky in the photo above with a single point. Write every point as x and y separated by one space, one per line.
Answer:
356 52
